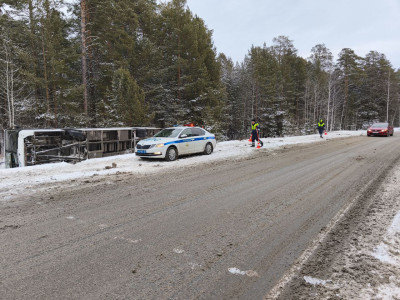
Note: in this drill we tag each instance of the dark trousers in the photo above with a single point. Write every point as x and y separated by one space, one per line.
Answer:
321 130
254 137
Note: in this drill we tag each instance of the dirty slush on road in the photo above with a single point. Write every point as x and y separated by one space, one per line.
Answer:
359 259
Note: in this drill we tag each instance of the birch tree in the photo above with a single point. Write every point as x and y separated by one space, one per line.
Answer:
84 19
322 61
7 79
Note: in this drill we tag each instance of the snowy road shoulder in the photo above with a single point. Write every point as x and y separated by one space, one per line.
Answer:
16 181
364 265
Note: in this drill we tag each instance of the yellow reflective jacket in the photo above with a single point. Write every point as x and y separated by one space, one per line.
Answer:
255 126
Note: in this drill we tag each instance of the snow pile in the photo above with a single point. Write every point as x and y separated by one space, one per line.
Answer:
249 273
386 251
367 265
315 281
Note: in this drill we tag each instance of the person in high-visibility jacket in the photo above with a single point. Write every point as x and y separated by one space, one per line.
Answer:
255 133
321 128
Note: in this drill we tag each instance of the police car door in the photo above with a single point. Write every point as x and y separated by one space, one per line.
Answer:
200 139
186 142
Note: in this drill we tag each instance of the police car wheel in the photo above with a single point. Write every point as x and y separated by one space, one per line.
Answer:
208 149
171 154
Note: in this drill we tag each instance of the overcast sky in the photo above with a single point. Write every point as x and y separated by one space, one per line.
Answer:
362 25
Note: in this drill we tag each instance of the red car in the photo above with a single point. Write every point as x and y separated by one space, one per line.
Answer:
380 129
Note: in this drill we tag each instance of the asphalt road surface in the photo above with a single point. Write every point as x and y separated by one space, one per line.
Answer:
226 230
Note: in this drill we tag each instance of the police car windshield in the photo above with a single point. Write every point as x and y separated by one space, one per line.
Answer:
168 133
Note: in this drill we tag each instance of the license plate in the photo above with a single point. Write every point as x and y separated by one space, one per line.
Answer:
141 151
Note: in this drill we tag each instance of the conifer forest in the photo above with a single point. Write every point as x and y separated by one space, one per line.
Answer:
102 63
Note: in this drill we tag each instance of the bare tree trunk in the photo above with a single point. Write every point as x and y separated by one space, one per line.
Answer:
12 97
315 104
84 56
306 105
329 100
33 49
7 62
256 108
388 99
9 72
333 110
46 83
297 111
179 68
394 117
55 101
252 99
346 95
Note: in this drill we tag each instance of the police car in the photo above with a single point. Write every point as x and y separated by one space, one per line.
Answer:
172 142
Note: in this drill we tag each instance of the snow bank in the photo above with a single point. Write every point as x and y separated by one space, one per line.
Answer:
315 281
368 264
387 250
13 181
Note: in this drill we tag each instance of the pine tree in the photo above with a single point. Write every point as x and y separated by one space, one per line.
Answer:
265 69
189 73
233 108
129 99
351 75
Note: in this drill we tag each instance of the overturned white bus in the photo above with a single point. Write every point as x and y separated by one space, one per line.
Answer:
30 147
